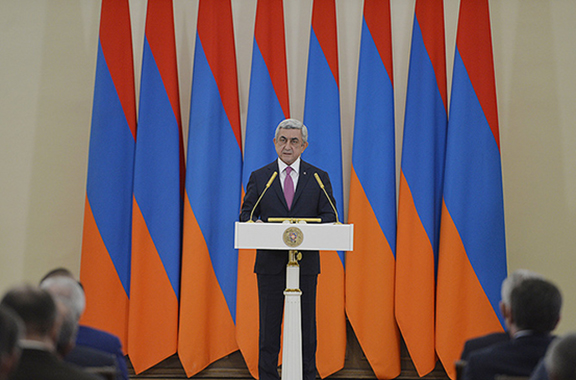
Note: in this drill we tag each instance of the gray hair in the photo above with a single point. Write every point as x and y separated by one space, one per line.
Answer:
560 359
292 124
69 327
513 280
69 291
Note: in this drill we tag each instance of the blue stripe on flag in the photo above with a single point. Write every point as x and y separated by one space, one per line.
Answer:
157 175
423 144
213 178
322 117
473 162
264 115
374 130
110 165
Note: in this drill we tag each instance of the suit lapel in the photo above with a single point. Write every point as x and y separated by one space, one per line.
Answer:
303 179
277 185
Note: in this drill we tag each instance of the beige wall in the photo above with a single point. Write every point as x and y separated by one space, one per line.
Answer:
47 65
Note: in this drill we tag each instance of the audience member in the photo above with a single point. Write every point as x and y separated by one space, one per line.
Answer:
534 313
508 284
11 331
89 340
38 310
560 360
69 291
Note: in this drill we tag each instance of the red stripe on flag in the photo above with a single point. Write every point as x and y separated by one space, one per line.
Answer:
270 21
218 42
430 16
474 41
116 41
324 26
159 26
377 19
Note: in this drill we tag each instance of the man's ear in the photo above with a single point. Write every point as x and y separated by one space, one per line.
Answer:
507 314
54 333
502 309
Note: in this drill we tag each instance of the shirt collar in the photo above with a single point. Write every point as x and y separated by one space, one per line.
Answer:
295 165
35 345
522 333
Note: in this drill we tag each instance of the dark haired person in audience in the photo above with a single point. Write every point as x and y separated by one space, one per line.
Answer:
535 311
90 340
11 331
508 284
69 291
38 310
560 360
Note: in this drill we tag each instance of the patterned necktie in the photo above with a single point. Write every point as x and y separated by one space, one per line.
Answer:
289 187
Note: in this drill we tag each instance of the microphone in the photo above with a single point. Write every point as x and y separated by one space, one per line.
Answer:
261 195
329 200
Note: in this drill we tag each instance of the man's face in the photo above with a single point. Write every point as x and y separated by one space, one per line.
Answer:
289 145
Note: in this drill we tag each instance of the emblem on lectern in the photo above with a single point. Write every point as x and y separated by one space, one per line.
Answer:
293 236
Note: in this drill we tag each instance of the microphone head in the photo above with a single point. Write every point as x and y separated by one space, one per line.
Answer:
272 179
318 180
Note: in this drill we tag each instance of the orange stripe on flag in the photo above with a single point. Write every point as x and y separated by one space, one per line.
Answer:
330 316
106 300
247 310
156 325
370 287
463 310
415 283
204 337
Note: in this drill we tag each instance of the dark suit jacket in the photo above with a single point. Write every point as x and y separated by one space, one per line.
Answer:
309 202
88 357
483 342
104 341
517 357
43 365
540 372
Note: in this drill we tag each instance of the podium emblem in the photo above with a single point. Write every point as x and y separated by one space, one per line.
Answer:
293 236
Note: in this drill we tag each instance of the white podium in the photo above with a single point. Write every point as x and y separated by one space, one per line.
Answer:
293 236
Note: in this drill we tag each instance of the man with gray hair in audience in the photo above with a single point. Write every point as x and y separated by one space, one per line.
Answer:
509 283
71 295
38 310
535 306
72 298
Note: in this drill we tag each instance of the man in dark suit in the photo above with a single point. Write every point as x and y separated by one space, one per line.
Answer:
92 347
535 312
295 194
70 292
11 331
509 283
38 310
